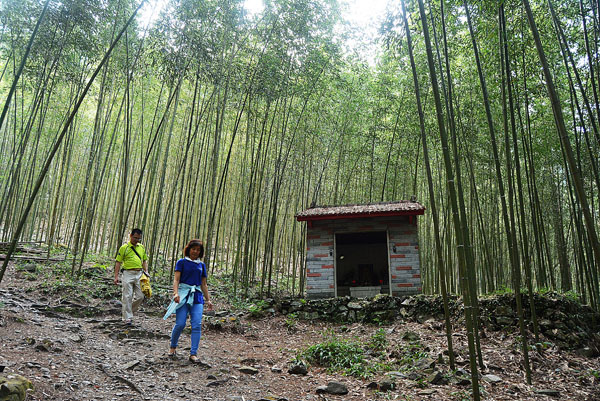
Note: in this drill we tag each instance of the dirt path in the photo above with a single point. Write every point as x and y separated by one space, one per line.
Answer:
97 358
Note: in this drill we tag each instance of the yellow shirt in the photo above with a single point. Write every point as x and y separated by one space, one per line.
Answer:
128 258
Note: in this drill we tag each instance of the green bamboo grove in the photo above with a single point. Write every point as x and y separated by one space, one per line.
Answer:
214 123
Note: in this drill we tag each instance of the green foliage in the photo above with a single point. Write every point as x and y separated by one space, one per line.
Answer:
339 355
573 296
409 354
594 373
101 266
378 341
543 290
503 290
462 395
58 286
290 321
257 309
542 346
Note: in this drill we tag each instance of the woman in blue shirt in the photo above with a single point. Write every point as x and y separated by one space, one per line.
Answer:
190 281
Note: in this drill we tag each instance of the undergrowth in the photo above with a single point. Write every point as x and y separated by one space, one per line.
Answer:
339 355
363 359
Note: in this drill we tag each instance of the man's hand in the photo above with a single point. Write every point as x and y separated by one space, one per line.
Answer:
176 298
209 305
117 270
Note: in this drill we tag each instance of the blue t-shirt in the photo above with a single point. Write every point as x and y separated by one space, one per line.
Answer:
191 274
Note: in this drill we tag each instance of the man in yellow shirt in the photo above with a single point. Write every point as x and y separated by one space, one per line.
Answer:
132 259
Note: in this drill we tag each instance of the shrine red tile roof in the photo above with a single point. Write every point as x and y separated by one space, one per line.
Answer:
396 208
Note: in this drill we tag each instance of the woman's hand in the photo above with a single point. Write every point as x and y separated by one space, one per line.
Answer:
176 297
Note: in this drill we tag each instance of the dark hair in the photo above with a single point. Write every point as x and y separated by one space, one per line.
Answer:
193 244
136 231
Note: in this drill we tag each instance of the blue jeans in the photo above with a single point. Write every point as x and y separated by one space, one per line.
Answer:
195 312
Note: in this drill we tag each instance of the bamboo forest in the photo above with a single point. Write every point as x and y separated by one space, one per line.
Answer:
209 119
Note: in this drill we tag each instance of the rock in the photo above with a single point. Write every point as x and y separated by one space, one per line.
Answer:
463 381
236 398
335 388
427 392
410 336
436 378
76 339
387 385
42 347
29 267
423 318
130 365
14 387
33 365
550 392
424 363
397 375
217 383
504 320
354 306
295 306
413 376
503 310
588 352
211 377
248 370
276 369
384 386
298 368
492 379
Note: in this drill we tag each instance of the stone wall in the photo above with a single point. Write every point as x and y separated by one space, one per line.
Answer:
562 321
403 253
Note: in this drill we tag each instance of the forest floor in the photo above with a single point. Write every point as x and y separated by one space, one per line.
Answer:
72 346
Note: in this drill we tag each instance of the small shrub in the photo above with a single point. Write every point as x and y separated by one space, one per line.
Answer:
409 354
462 395
101 266
339 355
290 321
257 309
573 296
504 290
378 341
541 346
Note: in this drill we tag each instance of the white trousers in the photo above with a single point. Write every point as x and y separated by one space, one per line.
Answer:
132 295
